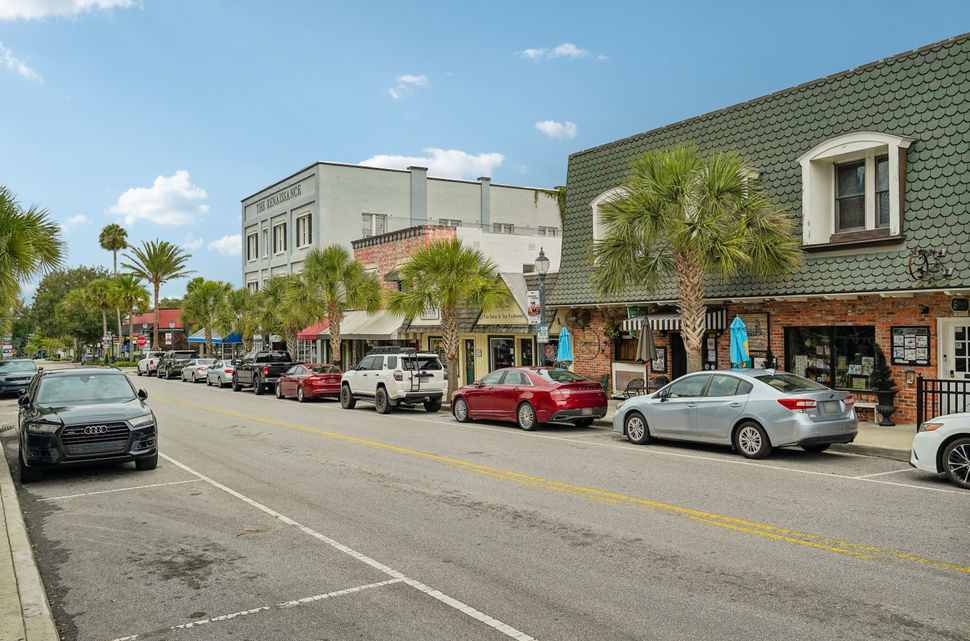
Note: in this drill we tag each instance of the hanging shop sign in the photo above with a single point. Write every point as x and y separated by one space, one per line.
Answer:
533 311
911 345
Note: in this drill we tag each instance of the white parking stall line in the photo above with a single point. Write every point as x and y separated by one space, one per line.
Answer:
869 476
264 608
493 623
120 489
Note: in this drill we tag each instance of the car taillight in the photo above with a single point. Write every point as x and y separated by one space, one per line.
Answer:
399 376
849 400
313 379
798 404
228 371
266 370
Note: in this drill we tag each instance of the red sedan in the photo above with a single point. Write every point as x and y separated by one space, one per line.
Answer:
314 380
531 396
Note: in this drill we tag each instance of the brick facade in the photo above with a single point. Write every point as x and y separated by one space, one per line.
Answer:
387 251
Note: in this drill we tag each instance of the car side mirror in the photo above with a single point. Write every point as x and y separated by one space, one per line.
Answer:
23 401
664 395
142 394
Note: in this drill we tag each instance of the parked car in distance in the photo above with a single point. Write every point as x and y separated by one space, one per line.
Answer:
752 410
942 446
530 396
81 416
314 380
16 374
194 370
171 363
392 376
148 363
260 370
87 358
220 373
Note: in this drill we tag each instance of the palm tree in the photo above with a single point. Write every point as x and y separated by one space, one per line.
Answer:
130 293
341 283
236 314
157 261
30 244
114 238
99 296
448 276
685 214
302 306
200 304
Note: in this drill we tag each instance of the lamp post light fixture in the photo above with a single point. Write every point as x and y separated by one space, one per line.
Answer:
542 331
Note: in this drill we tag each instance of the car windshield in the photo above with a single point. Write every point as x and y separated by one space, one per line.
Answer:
789 383
18 366
62 390
325 369
183 355
420 362
559 375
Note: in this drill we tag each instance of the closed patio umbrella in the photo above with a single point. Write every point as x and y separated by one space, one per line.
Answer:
565 346
646 351
739 344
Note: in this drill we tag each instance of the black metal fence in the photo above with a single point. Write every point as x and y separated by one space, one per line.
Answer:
938 396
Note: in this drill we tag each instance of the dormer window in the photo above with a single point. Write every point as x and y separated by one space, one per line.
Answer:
599 229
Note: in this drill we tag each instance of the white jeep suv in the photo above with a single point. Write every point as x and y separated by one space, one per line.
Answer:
388 377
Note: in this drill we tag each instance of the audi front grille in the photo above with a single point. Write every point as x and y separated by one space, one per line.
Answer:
95 438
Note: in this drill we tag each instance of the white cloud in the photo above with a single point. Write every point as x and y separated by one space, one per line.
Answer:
565 50
445 163
34 9
15 64
227 245
80 219
555 129
191 242
171 200
406 84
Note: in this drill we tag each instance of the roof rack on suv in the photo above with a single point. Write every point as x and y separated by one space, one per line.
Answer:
391 349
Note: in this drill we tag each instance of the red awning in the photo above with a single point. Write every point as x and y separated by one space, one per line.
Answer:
312 332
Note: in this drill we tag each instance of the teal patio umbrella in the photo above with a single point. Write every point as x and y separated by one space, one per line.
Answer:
739 344
565 346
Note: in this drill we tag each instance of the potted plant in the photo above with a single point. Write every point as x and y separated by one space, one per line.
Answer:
881 381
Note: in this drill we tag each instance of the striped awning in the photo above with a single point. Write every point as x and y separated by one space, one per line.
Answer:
670 321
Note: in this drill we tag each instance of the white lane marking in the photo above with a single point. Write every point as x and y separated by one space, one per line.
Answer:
504 628
264 608
867 476
121 489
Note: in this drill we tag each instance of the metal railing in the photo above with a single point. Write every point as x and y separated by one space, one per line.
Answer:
939 396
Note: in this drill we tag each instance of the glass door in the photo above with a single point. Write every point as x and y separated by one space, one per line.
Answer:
469 361
955 348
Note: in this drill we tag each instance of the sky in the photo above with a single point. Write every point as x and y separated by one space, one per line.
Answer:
162 115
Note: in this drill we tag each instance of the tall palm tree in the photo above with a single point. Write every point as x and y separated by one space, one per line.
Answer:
687 214
157 261
200 304
341 283
236 314
268 302
448 276
302 306
114 238
130 293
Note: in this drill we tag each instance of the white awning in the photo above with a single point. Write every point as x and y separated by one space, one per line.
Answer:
381 325
670 321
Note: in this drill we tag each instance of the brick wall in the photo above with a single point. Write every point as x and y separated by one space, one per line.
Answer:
388 251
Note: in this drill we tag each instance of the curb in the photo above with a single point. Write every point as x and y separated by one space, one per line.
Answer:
38 622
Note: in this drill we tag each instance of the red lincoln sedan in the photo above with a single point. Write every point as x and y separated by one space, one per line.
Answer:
309 381
530 396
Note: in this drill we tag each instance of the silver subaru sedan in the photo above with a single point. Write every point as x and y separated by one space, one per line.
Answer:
752 410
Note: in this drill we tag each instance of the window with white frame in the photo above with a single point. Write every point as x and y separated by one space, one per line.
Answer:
503 228
373 224
548 231
303 230
253 286
252 247
853 184
449 222
599 229
279 238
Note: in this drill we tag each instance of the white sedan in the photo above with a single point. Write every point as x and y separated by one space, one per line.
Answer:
942 446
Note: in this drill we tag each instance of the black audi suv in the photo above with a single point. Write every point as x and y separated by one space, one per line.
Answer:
83 416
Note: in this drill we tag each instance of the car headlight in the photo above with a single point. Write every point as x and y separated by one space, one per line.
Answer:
42 428
142 421
929 426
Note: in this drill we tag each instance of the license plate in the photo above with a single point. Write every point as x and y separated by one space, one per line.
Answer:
830 407
587 411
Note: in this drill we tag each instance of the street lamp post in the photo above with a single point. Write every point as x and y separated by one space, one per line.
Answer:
542 335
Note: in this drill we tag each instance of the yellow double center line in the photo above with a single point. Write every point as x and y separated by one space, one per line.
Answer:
709 518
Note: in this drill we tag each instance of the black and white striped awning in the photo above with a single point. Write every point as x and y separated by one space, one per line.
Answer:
670 321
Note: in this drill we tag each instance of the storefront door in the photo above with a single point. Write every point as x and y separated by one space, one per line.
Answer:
954 336
469 361
678 357
501 352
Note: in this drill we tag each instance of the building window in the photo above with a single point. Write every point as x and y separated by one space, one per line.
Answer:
840 357
625 349
449 222
882 192
503 228
528 268
303 230
253 286
252 247
279 238
548 231
373 224
850 197
599 229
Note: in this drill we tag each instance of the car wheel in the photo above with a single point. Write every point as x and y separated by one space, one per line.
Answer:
751 440
257 386
956 462
27 474
139 372
347 400
526 417
583 422
149 463
433 405
460 410
381 402
814 449
299 395
636 428
235 384
279 391
208 381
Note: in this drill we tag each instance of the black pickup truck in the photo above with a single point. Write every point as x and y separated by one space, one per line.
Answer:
260 370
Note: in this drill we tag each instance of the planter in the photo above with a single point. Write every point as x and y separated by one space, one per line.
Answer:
885 406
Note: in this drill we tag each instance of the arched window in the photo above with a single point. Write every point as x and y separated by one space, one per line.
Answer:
599 229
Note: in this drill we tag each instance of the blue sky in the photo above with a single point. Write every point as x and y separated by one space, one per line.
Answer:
163 114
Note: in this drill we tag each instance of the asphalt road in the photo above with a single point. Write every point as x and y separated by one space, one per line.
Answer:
269 519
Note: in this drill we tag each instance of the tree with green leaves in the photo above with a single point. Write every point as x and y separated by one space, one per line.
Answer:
236 314
114 238
158 262
302 306
202 299
340 283
99 296
686 214
130 294
448 276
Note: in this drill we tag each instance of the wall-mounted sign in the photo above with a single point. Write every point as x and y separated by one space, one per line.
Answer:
960 306
757 326
429 313
279 197
911 345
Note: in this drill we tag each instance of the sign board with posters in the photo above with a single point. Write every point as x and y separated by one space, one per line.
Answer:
757 326
911 345
533 311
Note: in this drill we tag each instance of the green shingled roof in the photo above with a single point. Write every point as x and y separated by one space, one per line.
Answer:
923 94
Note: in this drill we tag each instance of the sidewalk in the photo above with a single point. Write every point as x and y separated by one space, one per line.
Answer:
886 442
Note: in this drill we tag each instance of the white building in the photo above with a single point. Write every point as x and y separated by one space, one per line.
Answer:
329 203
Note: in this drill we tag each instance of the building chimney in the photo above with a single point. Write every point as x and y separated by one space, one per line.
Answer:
486 206
419 195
